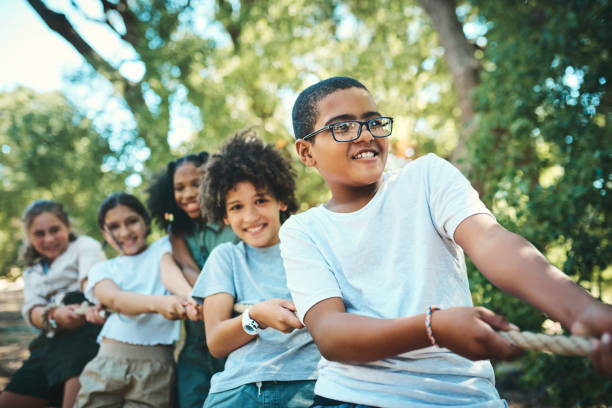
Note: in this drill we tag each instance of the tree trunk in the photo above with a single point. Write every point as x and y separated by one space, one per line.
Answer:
464 67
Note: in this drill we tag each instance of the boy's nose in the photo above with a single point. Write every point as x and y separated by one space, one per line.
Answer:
365 135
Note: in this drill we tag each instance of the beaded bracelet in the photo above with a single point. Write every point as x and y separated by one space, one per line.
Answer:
430 336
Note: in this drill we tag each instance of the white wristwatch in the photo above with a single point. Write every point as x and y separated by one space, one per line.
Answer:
249 325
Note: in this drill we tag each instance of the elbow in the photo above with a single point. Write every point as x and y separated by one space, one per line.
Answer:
216 352
334 349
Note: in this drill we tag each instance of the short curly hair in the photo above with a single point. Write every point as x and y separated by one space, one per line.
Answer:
161 199
306 107
244 157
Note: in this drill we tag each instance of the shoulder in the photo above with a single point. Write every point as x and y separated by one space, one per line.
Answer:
103 267
303 219
228 250
424 170
86 242
422 164
161 246
33 269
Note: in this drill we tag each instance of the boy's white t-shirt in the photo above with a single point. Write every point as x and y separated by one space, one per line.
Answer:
140 274
393 258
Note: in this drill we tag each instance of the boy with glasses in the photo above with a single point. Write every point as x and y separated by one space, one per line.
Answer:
378 275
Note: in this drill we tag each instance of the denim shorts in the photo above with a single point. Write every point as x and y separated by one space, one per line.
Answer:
266 394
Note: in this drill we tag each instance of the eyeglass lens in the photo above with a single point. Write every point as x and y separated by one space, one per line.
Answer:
350 129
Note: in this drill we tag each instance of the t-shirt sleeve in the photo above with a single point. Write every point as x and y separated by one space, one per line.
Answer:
451 197
217 274
97 273
163 246
309 277
89 253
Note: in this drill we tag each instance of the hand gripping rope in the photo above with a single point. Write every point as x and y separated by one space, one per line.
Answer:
557 344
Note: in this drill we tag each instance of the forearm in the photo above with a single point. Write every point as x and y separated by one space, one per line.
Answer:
182 256
190 275
36 316
352 338
226 337
515 266
173 278
131 304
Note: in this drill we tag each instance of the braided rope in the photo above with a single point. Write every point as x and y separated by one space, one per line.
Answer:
565 345
85 306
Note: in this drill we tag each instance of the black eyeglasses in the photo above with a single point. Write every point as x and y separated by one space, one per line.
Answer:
349 130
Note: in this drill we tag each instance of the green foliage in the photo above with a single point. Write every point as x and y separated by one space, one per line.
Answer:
544 150
48 151
541 149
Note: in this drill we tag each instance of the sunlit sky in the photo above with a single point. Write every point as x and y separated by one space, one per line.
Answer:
35 56
32 55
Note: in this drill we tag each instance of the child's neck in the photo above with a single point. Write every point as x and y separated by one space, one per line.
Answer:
346 200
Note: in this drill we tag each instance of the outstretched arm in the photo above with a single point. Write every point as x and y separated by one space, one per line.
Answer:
184 259
351 338
131 303
225 334
173 278
515 266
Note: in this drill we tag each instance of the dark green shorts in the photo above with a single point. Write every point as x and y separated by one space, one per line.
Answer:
54 360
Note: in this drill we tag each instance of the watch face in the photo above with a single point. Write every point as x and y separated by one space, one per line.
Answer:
249 325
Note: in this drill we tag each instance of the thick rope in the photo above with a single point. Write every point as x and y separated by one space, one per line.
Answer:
564 345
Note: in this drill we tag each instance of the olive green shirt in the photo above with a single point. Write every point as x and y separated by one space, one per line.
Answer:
203 238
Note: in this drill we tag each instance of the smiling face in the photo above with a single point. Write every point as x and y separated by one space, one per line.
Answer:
48 235
125 230
186 184
347 167
253 214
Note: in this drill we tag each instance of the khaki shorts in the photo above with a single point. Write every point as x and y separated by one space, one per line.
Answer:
126 375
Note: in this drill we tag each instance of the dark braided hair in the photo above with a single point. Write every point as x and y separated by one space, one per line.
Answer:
306 107
29 255
161 195
244 157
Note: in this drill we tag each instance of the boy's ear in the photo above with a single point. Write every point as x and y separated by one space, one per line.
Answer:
282 206
304 152
225 220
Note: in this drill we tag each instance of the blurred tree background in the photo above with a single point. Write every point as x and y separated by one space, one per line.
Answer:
517 94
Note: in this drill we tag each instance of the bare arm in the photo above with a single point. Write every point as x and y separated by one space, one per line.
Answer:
225 334
131 303
514 265
173 278
65 316
183 257
351 338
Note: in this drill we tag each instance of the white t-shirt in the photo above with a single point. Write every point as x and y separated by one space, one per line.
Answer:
140 274
393 258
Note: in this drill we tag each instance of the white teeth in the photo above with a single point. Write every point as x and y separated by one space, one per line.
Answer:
364 155
255 229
